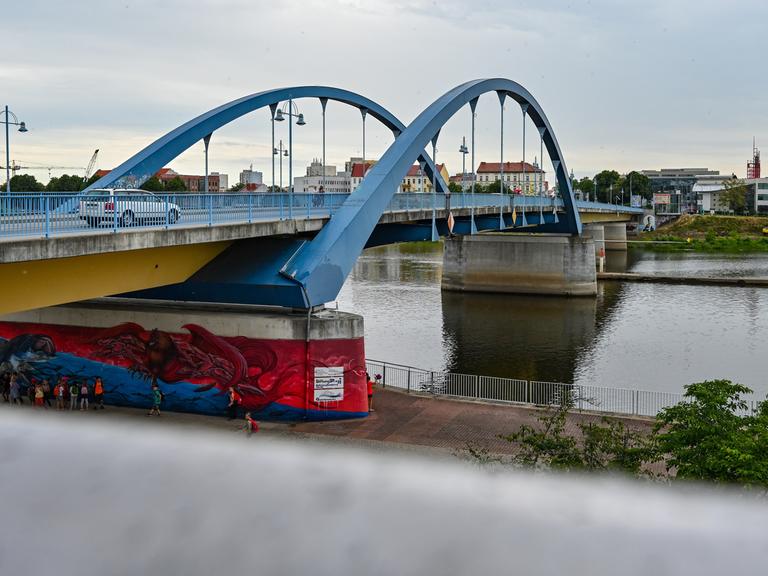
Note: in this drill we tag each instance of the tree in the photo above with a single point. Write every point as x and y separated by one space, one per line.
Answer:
586 185
65 183
710 435
236 187
495 188
25 183
735 195
607 445
608 180
175 184
641 185
153 185
455 188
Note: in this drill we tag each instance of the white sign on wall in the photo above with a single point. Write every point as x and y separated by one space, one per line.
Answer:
329 384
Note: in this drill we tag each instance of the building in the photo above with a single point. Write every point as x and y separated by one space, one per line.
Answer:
357 172
710 198
463 180
680 181
332 181
223 181
520 177
216 182
195 183
417 181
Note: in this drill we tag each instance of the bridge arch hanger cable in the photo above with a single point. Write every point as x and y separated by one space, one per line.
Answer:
148 161
322 265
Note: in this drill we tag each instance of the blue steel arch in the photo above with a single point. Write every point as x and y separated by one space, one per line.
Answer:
148 161
321 266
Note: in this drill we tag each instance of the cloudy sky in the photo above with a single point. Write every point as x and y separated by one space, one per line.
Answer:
625 84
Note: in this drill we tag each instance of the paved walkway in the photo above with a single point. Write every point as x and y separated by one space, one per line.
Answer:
400 422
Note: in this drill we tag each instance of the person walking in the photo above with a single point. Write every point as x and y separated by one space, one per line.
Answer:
251 426
73 391
84 395
157 400
6 385
234 403
14 389
58 392
369 384
46 393
98 394
39 395
31 391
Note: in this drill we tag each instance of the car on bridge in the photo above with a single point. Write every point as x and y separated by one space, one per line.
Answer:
129 207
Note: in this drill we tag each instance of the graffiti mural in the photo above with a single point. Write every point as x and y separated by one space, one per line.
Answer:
277 379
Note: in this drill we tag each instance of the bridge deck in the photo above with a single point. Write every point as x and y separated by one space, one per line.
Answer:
38 227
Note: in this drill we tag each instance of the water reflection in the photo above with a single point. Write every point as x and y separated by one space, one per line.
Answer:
530 337
646 336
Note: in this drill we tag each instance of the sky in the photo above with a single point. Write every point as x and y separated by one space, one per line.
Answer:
626 85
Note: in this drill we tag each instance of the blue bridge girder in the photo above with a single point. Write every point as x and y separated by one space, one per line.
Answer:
147 162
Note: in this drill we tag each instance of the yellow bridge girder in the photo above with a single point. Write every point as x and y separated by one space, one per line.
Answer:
41 283
595 217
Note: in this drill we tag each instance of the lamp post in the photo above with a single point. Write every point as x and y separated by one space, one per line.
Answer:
464 151
279 152
292 110
22 128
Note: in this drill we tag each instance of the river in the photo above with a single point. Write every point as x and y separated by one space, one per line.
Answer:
640 336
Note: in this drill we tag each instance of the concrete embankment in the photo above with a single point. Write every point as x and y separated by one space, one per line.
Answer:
690 280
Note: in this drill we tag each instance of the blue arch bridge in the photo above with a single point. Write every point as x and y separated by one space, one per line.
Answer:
211 292
286 249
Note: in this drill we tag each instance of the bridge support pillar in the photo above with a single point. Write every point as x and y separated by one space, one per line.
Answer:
615 236
549 264
597 233
284 365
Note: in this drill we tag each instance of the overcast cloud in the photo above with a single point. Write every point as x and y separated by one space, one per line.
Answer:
626 85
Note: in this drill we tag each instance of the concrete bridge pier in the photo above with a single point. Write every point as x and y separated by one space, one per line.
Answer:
548 264
615 236
597 233
284 365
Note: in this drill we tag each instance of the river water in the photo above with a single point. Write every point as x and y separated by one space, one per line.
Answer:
640 336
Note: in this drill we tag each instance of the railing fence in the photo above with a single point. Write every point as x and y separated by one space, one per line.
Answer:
533 392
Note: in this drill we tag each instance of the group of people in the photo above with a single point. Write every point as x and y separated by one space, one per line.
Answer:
65 392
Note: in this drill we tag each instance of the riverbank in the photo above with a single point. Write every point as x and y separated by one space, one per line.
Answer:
688 280
708 233
400 422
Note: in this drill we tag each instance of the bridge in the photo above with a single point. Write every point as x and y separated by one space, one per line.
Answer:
210 263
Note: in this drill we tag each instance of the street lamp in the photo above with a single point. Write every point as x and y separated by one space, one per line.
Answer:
292 110
464 151
279 152
22 128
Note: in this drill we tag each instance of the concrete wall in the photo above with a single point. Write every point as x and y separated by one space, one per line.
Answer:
615 236
520 264
228 320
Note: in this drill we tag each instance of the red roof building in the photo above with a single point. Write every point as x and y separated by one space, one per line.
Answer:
520 177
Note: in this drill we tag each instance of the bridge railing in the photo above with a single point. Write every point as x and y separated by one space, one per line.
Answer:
54 214
490 388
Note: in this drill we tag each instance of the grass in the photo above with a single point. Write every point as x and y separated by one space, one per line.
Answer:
705 233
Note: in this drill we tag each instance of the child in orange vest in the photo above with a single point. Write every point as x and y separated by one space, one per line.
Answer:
251 425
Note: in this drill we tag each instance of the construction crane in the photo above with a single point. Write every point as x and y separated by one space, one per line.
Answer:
15 167
91 164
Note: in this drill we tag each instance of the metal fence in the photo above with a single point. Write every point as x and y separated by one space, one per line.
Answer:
491 388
